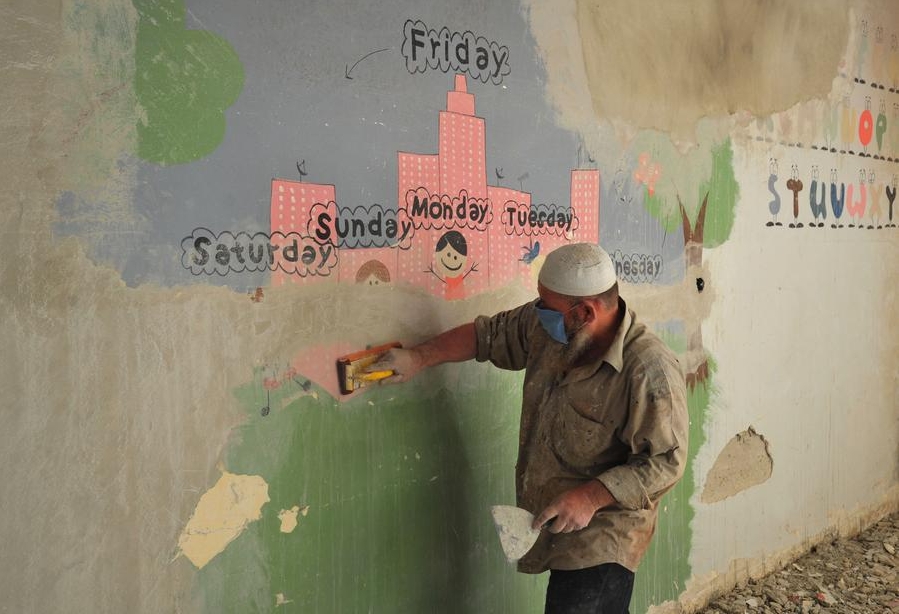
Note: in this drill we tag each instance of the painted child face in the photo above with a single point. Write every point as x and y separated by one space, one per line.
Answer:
450 263
373 280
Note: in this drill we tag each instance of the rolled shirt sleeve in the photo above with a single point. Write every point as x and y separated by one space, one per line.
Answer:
656 433
503 338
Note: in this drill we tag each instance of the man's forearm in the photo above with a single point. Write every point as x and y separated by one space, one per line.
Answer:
454 345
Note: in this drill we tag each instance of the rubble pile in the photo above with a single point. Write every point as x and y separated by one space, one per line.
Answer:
858 576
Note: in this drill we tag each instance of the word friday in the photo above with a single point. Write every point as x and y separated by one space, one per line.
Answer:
425 48
204 252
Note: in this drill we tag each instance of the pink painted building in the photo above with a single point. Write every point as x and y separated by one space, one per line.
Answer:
468 236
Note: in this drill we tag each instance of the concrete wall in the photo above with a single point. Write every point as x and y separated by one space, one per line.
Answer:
172 437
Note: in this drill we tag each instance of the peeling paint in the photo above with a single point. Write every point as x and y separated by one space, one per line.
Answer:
288 518
743 463
712 58
222 513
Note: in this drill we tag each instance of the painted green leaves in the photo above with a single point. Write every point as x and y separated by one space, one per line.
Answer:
184 80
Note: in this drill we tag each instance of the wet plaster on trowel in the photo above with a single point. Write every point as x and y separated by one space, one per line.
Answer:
666 65
743 463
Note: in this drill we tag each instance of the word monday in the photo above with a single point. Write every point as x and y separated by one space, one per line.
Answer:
442 211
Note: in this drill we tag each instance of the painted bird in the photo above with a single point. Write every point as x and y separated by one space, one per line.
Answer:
531 252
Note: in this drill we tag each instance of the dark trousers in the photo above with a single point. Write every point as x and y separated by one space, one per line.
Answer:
604 589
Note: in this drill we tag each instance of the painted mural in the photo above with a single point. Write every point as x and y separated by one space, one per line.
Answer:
448 230
421 158
835 163
352 149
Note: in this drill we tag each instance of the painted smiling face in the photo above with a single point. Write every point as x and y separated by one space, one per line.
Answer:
451 255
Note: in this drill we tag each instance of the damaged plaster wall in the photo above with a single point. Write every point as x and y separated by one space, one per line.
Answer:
118 402
800 326
638 65
743 463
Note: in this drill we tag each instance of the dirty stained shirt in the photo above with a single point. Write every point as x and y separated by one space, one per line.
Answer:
621 420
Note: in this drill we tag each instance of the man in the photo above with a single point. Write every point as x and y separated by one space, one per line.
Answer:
603 425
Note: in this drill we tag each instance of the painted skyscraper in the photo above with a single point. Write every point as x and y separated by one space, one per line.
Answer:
450 232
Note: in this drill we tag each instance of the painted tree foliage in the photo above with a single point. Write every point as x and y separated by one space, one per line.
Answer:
702 187
698 191
184 80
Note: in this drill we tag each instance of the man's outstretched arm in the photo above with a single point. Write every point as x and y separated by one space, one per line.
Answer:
455 345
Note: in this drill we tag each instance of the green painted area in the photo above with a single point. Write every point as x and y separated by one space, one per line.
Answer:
399 482
706 170
666 567
723 191
663 209
184 81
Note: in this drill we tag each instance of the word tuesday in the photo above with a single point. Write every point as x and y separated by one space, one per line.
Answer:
520 219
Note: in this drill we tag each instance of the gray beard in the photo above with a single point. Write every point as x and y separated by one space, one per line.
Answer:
576 348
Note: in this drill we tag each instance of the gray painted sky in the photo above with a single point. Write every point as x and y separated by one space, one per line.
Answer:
297 105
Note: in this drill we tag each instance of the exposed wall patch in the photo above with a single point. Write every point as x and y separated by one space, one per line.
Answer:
222 513
743 463
712 58
288 518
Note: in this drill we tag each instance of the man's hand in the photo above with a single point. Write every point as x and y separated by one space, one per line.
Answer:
574 509
404 364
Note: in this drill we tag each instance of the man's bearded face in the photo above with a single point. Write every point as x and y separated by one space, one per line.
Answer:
578 344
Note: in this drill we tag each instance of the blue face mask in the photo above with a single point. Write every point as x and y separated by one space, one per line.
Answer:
553 322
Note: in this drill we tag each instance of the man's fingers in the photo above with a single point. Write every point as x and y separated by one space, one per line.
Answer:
558 526
393 379
564 526
384 362
544 517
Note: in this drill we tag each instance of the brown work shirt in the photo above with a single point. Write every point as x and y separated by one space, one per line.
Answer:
621 420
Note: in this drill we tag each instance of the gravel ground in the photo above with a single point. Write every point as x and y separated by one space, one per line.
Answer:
859 575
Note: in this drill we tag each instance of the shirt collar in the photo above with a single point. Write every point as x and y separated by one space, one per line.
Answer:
614 355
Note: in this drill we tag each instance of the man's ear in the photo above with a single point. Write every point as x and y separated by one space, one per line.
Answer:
589 311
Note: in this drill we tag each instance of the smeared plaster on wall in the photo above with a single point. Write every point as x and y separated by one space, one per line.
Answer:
222 513
668 65
743 463
97 112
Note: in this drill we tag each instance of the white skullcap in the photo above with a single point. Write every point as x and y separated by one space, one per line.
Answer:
578 269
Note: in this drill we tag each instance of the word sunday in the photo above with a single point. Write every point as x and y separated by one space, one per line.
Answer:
360 226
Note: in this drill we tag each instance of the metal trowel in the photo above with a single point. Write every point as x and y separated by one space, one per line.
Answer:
513 525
